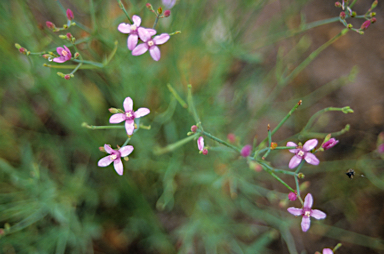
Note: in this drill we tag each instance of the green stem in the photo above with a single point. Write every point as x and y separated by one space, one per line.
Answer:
93 16
176 32
156 20
298 189
280 180
352 4
70 66
81 26
284 147
191 105
219 141
322 135
177 96
337 247
125 12
282 171
77 67
109 58
100 65
126 141
171 147
93 127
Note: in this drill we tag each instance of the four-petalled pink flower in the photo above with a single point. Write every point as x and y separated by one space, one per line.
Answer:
327 251
132 30
200 146
115 157
149 43
129 115
65 55
307 212
303 153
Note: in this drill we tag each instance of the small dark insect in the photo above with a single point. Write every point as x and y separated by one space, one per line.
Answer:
350 173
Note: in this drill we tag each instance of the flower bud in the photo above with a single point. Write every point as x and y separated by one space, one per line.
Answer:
102 149
167 13
160 10
342 15
113 110
76 55
373 20
380 148
61 36
273 145
60 74
372 14
17 45
246 151
67 77
365 25
194 128
69 36
69 14
46 56
50 25
22 50
65 26
353 14
292 196
374 4
349 26
149 6
330 143
205 151
300 175
338 4
231 138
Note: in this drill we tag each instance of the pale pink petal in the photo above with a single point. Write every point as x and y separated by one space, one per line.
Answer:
128 104
311 159
59 50
161 39
60 59
305 223
295 211
310 144
118 165
129 127
155 53
136 20
117 118
294 162
132 41
125 150
308 201
151 31
200 143
144 34
141 112
104 162
124 28
108 149
317 214
292 144
140 49
327 251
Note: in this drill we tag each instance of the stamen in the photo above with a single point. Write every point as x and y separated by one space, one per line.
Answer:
307 213
128 114
64 53
300 153
151 43
133 27
113 157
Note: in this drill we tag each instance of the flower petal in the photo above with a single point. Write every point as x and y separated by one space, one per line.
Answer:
59 50
155 53
104 161
200 143
141 112
108 149
140 49
151 31
118 166
129 127
144 34
128 104
125 150
305 223
295 211
117 118
132 41
311 159
327 251
67 49
308 201
124 28
290 143
310 144
294 162
60 59
317 214
136 20
161 39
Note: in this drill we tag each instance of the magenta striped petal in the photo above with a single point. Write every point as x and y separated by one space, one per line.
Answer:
294 162
144 34
108 149
132 41
295 211
317 214
310 144
311 159
292 144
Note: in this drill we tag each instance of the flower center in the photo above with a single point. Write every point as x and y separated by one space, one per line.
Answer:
307 213
151 43
64 53
129 115
301 153
113 157
133 27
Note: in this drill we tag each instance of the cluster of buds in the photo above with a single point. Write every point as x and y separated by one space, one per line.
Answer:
22 50
54 28
159 11
69 37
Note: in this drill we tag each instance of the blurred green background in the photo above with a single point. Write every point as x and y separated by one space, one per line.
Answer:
54 198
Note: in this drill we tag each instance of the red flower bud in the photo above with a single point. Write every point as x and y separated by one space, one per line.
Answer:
205 152
167 13
67 77
69 35
338 4
50 25
292 196
342 15
373 20
69 14
149 6
366 24
194 128
22 50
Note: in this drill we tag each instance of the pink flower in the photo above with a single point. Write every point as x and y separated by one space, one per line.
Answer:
69 14
327 251
65 55
115 157
303 153
307 212
168 4
149 43
200 146
129 115
133 31
246 151
330 143
292 196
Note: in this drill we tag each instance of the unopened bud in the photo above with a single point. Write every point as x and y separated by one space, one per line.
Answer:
101 148
374 4
194 128
167 13
373 20
46 56
69 14
149 6
67 77
160 10
61 36
231 138
300 175
273 145
17 45
69 35
50 25
292 196
22 50
113 110
353 14
365 25
205 152
76 55
338 4
349 26
246 151
60 74
342 15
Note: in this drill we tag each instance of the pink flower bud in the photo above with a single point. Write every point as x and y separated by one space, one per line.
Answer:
231 138
205 151
46 56
50 25
342 15
69 35
22 50
292 196
338 4
246 151
167 13
373 20
69 14
149 6
330 143
67 77
194 128
366 24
